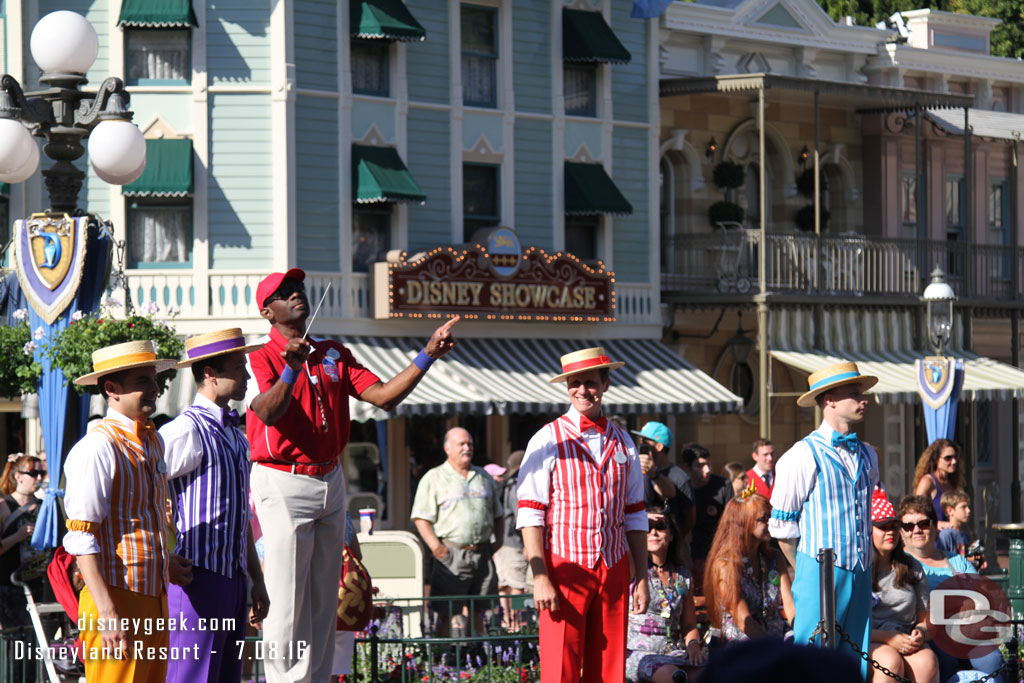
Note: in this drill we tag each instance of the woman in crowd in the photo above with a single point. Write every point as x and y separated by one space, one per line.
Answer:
918 529
938 470
663 644
736 474
898 629
748 577
19 482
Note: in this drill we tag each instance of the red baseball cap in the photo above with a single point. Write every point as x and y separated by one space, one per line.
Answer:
270 283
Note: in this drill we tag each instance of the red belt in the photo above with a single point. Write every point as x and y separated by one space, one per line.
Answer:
313 470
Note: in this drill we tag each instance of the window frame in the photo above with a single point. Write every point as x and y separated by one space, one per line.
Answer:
956 228
141 203
494 55
385 46
130 31
485 220
595 72
384 209
591 219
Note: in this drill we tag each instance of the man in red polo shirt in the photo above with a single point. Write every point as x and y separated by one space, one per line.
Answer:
298 424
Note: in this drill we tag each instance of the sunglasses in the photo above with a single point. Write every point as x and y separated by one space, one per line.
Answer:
922 524
947 458
656 525
284 293
32 473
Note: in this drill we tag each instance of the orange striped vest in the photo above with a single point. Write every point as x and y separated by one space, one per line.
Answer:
133 538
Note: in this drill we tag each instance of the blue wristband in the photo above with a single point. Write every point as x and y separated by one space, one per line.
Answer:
423 361
288 376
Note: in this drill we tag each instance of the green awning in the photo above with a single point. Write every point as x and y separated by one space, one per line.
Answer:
157 14
587 37
168 170
378 175
384 19
589 190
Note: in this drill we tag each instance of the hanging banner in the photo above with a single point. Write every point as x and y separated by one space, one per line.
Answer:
49 255
939 380
494 279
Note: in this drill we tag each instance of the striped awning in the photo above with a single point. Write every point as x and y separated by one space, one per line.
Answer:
985 379
507 376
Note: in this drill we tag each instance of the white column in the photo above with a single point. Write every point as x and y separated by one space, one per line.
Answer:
282 95
557 130
201 164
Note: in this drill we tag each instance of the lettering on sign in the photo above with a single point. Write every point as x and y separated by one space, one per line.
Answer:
484 284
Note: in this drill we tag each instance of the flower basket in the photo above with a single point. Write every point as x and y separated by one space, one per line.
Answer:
19 373
804 218
805 183
725 212
728 175
71 349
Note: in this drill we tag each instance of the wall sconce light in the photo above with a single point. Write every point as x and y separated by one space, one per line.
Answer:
804 154
712 148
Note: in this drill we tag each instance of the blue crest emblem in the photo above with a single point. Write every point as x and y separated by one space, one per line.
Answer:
49 255
936 377
505 251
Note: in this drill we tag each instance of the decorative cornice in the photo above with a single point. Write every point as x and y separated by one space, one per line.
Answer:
894 56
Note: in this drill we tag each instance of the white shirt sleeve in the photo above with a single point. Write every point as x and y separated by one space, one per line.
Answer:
89 472
183 450
534 489
795 474
637 519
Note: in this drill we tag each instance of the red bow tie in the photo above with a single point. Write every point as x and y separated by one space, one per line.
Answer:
600 424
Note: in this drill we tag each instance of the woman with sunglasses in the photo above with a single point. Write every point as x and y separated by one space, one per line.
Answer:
898 629
748 576
938 470
20 479
663 644
918 530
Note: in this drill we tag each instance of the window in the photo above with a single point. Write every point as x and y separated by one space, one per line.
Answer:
370 67
998 214
481 207
581 236
580 85
160 233
954 195
908 204
158 56
371 236
479 56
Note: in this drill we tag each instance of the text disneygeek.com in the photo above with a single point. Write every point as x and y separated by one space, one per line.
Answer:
149 626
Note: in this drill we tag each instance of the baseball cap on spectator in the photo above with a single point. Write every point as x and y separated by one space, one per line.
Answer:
270 283
655 431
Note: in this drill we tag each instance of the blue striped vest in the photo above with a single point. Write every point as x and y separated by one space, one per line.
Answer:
837 513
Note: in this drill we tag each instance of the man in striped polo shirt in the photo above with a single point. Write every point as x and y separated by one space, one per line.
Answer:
581 500
822 499
208 468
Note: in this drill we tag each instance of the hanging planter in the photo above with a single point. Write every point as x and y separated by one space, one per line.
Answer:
805 183
19 372
71 348
728 175
804 218
725 212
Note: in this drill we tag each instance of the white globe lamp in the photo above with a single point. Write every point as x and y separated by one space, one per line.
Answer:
125 179
25 171
117 149
16 147
64 42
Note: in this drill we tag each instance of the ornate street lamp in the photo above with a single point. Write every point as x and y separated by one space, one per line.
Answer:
938 298
64 45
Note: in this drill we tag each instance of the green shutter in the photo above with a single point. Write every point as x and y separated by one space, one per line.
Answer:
384 19
378 175
587 37
589 190
168 170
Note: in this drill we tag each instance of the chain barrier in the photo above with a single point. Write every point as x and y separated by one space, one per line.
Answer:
844 637
118 278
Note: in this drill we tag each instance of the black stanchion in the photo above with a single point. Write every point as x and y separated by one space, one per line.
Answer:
827 586
374 673
1013 662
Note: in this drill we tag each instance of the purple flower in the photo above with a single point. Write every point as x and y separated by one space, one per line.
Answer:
151 308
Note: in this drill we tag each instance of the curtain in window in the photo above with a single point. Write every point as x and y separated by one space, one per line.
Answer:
369 69
159 235
579 90
478 76
158 55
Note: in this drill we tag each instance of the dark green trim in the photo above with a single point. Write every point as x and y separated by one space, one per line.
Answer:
589 190
384 19
168 170
379 175
157 14
587 37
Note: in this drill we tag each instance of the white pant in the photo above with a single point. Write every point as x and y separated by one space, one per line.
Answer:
344 649
303 521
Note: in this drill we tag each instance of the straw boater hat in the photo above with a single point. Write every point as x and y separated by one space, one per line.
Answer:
832 377
586 359
133 354
203 346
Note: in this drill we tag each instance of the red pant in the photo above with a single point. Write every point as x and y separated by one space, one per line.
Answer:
588 632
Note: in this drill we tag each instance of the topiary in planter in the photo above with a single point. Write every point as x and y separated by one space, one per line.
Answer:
724 212
805 182
728 175
804 218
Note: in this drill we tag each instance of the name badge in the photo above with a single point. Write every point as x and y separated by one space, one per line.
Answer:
620 457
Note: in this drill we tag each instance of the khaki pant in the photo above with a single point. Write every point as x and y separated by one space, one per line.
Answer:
303 522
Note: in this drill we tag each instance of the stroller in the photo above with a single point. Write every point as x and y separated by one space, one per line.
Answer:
61 659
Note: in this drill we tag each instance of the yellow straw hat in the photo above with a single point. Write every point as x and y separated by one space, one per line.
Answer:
834 376
203 346
583 360
133 354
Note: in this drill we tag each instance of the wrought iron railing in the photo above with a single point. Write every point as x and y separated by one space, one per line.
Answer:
727 261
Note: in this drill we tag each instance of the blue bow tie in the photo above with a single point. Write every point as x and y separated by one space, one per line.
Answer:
850 442
229 418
